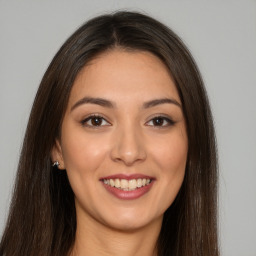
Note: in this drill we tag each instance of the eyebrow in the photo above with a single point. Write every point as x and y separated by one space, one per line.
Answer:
108 104
97 101
153 103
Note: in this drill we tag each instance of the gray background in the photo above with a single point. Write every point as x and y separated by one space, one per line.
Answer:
222 38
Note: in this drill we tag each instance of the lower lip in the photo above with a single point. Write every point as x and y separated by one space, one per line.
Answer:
128 195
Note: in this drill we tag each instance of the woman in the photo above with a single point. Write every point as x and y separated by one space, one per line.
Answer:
119 155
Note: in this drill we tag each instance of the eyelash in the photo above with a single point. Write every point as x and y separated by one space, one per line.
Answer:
169 122
90 118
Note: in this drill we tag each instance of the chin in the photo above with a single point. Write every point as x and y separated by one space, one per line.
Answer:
131 222
128 226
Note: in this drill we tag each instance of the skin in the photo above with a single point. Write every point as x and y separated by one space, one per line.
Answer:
128 140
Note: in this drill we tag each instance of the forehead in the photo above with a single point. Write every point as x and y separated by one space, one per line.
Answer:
124 75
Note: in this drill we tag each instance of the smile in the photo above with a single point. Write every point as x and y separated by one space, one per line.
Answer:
127 185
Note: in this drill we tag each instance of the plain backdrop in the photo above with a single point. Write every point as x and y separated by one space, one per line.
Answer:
221 36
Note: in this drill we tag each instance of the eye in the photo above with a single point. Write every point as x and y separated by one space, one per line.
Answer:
160 121
95 121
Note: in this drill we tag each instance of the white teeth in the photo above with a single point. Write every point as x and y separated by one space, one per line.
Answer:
117 183
124 184
132 184
112 183
106 182
127 185
139 183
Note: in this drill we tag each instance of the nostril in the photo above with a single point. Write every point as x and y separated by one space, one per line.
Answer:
128 145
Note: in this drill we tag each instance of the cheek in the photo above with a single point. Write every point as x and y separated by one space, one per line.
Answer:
170 157
83 157
83 153
172 164
171 154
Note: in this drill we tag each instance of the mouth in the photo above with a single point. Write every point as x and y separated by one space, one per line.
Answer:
127 186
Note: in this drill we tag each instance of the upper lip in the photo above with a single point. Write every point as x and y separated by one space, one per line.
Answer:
127 176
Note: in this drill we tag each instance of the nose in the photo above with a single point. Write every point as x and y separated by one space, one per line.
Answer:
128 147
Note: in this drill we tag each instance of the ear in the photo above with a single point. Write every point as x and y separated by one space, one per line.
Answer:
56 155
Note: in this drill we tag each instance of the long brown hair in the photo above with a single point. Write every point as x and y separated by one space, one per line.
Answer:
42 219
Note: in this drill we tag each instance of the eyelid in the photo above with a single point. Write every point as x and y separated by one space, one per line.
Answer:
168 119
91 116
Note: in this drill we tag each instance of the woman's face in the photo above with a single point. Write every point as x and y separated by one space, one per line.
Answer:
123 140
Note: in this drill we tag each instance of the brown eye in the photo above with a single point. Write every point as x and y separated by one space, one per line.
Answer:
160 121
95 121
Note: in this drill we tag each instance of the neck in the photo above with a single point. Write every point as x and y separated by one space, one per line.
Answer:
94 238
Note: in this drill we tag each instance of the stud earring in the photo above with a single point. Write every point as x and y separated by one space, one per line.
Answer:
56 163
